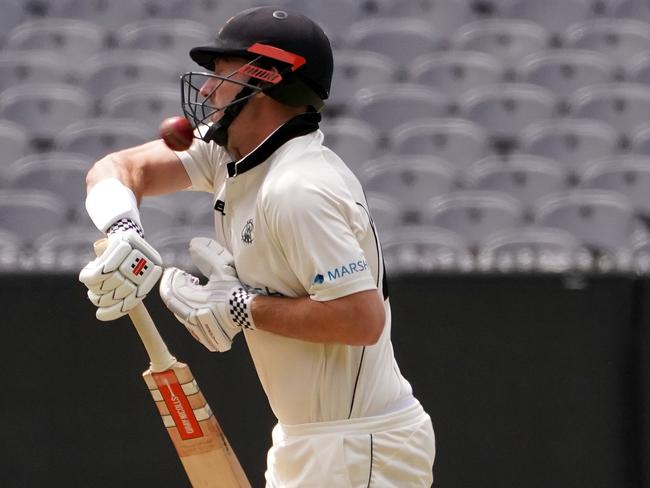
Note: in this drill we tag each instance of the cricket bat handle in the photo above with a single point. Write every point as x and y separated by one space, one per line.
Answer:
159 356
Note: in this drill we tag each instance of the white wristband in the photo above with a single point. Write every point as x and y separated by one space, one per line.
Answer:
108 201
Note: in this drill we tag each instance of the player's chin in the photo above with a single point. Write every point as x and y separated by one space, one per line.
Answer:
216 117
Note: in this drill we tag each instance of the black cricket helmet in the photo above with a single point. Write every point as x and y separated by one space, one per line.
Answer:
269 38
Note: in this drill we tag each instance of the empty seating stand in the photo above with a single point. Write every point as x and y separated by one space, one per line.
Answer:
412 180
515 98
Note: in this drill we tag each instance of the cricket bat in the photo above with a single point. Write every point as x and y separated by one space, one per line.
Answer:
204 451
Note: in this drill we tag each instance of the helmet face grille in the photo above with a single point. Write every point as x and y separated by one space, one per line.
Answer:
196 93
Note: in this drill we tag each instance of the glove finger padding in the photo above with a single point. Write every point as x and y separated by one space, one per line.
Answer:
212 259
122 276
98 270
105 300
199 308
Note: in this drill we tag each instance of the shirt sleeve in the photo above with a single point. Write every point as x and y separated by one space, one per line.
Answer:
202 162
319 233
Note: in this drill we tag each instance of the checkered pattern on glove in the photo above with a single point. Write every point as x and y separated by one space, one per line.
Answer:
239 309
123 225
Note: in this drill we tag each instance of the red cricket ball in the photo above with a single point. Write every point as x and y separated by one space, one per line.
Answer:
177 132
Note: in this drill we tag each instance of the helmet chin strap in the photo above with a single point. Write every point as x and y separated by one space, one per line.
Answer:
218 132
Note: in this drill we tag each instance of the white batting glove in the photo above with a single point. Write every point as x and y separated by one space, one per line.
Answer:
216 312
122 276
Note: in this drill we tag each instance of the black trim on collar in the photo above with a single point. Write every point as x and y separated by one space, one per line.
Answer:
298 126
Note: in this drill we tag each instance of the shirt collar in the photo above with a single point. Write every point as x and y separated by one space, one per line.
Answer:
299 125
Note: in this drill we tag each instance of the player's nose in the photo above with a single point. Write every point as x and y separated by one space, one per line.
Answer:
208 87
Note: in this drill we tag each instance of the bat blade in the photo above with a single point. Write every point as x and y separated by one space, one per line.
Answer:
204 450
207 457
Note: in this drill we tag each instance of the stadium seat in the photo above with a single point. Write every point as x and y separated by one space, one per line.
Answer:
354 70
203 217
97 137
455 72
418 249
147 103
563 71
603 221
39 9
625 106
336 16
507 39
554 15
67 249
167 9
637 70
619 39
444 16
72 40
173 244
13 14
505 109
413 181
641 140
529 248
474 214
63 174
352 140
183 208
171 37
629 9
44 109
385 212
14 143
457 141
524 177
217 11
387 106
18 67
10 250
42 210
118 68
158 214
493 9
627 174
399 39
191 207
639 248
571 141
109 14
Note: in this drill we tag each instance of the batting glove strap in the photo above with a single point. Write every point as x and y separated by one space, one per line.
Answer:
239 308
123 225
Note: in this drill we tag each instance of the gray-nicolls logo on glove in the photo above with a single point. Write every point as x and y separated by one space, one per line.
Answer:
124 274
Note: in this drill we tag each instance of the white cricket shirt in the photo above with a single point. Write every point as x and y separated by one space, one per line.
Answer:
296 221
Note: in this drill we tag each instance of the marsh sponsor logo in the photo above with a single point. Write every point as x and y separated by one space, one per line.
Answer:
344 270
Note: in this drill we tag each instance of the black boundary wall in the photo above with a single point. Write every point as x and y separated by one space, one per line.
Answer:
531 381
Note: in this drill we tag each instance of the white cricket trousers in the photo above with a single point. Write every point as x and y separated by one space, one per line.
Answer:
393 450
